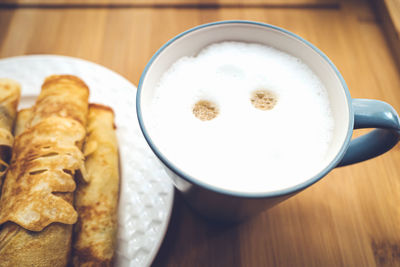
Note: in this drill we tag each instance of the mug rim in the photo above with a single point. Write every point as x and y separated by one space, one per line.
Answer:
281 192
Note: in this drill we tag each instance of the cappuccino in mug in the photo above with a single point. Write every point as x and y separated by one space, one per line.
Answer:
242 117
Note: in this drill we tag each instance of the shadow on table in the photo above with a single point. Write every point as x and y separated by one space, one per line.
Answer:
196 237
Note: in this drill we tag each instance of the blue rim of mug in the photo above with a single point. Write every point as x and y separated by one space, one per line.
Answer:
233 193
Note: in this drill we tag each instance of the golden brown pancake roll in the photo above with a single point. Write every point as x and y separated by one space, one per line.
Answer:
96 200
63 96
36 209
23 118
10 93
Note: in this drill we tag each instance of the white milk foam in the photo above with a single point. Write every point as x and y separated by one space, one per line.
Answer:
243 149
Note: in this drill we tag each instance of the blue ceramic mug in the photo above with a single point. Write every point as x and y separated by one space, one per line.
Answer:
222 204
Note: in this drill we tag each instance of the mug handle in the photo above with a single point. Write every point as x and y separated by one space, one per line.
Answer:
370 113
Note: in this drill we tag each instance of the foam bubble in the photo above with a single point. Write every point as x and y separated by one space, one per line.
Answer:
243 148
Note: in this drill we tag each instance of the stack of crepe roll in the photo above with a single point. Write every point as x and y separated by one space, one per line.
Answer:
59 197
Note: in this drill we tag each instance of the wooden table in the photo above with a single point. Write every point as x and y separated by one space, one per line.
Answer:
350 218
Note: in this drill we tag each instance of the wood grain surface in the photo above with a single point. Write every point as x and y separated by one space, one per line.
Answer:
388 12
270 3
349 218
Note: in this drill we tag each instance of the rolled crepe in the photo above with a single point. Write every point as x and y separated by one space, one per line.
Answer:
23 118
96 200
36 203
63 96
10 92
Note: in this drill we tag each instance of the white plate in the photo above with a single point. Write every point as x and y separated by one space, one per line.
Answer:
146 192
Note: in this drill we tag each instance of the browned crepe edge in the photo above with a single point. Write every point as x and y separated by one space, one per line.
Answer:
23 118
49 104
10 94
95 214
68 107
39 167
50 247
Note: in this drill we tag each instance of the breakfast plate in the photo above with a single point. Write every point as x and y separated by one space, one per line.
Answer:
146 193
